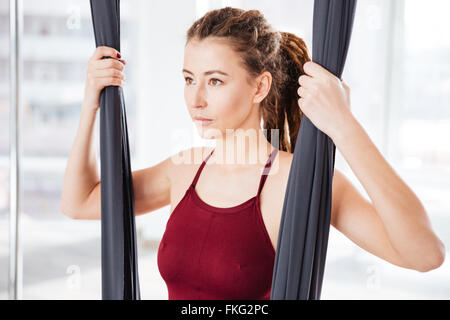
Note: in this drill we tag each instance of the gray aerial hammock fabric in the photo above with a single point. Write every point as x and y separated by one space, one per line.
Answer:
120 280
305 222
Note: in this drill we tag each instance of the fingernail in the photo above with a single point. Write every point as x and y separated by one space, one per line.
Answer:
118 55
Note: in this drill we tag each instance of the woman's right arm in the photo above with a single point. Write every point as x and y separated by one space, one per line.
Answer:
81 178
80 197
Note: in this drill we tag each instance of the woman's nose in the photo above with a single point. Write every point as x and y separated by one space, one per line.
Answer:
198 99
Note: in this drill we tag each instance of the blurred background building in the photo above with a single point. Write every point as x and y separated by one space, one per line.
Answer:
398 69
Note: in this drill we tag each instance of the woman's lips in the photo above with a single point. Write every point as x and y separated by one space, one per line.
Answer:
202 121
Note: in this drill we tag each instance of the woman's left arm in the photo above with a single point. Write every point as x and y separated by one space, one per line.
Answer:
403 215
326 101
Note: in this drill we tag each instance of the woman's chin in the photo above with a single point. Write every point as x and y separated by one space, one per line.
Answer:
207 133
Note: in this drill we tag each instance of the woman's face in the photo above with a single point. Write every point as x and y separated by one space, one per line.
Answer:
216 88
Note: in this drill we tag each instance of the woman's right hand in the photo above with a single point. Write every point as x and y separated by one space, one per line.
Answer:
102 73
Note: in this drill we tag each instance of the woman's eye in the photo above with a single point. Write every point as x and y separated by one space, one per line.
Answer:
216 80
187 78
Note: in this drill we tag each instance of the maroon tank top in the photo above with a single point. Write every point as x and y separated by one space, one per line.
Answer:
208 252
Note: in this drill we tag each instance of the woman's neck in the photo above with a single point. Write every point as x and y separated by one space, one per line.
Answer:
240 149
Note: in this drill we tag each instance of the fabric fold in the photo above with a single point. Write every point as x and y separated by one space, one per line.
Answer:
305 221
120 279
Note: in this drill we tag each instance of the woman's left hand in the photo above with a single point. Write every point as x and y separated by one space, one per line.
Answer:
324 99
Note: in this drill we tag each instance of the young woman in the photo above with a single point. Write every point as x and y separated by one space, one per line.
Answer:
222 234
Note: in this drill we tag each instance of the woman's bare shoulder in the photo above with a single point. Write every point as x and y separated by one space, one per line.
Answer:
183 162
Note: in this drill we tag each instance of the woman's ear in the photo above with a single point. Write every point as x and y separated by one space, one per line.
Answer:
264 82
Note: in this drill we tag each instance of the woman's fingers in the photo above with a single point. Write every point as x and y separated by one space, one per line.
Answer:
105 72
109 81
98 83
305 80
113 73
104 51
106 77
108 64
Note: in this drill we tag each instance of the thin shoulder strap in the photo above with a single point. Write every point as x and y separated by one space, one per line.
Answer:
267 170
197 175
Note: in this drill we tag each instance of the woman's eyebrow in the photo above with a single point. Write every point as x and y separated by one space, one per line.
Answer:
209 72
